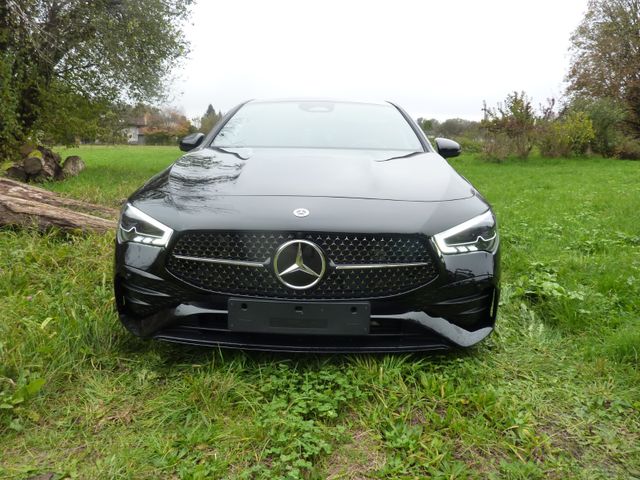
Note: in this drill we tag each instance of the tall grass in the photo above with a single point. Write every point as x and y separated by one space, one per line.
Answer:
552 394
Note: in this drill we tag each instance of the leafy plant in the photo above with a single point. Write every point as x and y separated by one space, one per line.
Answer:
298 409
14 395
541 283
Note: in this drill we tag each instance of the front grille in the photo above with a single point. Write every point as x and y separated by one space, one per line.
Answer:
339 248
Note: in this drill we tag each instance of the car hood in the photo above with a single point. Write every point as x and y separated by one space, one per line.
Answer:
358 174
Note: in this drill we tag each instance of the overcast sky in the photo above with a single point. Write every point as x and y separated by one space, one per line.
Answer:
436 59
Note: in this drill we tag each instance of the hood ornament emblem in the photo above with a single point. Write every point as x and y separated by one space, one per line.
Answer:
301 212
299 264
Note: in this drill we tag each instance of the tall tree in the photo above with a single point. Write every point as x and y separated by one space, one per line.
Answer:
606 55
209 119
82 53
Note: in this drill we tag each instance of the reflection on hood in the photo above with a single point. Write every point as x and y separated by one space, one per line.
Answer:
205 167
205 175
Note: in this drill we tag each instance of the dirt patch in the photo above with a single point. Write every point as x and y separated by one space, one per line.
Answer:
358 459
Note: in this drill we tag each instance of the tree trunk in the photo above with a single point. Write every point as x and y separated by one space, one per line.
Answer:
50 168
73 165
32 165
17 173
44 167
28 206
20 190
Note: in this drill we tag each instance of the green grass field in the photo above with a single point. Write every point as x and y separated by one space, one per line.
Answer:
553 393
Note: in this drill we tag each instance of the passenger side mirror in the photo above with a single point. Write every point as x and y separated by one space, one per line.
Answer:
448 148
191 141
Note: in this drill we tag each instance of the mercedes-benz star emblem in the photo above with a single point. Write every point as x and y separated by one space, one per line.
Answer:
301 212
299 264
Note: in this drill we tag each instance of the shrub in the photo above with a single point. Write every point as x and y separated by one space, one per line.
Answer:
607 116
628 149
510 127
566 136
470 145
160 137
554 140
496 147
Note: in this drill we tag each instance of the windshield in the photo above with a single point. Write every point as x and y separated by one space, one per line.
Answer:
320 124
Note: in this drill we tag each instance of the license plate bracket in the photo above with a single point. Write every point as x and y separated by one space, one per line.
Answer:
299 318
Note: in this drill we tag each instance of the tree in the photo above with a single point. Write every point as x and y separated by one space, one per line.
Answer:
456 127
209 119
428 126
607 116
82 54
165 126
606 56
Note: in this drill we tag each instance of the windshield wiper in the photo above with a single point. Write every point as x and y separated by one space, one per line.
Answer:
224 150
410 154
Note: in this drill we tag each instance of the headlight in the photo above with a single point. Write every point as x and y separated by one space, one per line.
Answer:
479 233
137 226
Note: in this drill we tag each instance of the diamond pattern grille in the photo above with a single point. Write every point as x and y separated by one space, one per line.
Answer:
339 248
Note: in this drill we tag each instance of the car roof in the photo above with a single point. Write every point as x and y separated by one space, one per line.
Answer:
319 99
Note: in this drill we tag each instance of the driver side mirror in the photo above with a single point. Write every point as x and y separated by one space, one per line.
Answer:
191 141
448 148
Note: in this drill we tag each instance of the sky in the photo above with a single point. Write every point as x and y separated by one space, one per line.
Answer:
436 59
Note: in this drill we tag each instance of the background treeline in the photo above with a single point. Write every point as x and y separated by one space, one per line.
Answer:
165 126
515 128
159 125
600 111
74 72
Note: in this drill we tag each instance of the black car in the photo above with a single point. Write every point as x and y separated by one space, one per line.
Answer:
305 225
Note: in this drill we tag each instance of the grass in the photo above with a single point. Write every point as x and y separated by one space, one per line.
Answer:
113 173
553 393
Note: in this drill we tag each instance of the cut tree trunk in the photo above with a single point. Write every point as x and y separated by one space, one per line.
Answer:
40 164
23 205
72 166
17 172
33 165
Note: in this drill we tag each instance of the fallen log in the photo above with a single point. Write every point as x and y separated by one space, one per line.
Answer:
27 206
16 189
27 213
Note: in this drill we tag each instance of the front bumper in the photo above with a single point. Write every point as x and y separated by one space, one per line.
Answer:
458 309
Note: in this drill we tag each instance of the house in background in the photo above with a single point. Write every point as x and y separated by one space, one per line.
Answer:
135 130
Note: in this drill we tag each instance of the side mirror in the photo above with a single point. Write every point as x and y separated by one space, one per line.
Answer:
191 141
448 148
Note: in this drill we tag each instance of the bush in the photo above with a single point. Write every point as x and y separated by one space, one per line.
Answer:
160 138
510 127
497 147
607 116
470 145
554 140
569 135
628 149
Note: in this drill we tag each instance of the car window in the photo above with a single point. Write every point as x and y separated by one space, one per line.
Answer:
318 125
